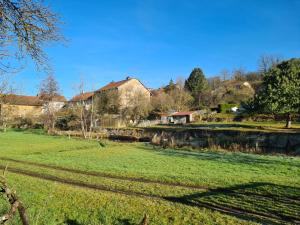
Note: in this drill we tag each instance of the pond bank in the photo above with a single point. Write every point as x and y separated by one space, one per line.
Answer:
232 140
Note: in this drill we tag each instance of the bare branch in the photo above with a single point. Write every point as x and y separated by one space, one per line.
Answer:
26 26
15 203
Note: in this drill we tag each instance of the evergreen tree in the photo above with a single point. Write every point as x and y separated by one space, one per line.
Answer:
197 85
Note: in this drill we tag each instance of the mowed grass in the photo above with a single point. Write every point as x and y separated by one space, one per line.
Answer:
74 181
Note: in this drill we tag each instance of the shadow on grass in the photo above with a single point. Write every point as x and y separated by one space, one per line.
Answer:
29 131
125 222
71 222
265 203
224 157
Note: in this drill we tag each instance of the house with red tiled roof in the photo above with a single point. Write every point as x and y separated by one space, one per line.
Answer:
183 117
32 106
126 89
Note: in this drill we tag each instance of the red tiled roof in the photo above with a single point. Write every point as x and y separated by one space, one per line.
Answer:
59 98
22 100
113 85
82 97
29 100
55 98
182 113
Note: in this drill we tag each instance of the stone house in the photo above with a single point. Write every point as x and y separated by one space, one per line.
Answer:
85 98
28 106
126 89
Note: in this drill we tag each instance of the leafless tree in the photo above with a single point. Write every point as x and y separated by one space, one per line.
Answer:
49 89
225 74
5 109
137 106
177 99
180 98
268 61
85 111
26 26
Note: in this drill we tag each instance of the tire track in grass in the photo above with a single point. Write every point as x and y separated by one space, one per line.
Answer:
104 175
232 211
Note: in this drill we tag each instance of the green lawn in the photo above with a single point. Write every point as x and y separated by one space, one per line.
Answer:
64 181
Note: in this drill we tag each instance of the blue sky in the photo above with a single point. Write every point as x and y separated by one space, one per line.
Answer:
156 40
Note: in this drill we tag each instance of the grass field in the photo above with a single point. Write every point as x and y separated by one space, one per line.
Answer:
64 181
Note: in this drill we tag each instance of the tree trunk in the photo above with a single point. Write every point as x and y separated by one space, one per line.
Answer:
288 121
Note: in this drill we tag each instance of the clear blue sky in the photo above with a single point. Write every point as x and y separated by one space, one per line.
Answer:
156 40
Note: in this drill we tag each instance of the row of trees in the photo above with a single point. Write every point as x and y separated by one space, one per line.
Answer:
273 89
198 92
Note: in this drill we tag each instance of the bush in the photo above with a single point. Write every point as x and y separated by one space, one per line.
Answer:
22 123
226 108
67 120
219 117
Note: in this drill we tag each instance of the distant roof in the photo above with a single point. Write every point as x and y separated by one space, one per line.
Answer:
113 85
55 98
59 98
29 100
23 100
82 97
183 113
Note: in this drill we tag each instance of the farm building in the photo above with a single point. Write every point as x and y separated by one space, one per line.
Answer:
183 117
84 98
33 106
126 89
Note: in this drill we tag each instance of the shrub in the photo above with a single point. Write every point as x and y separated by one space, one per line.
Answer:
22 122
226 108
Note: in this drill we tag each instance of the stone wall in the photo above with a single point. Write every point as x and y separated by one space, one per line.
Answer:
232 140
245 141
259 142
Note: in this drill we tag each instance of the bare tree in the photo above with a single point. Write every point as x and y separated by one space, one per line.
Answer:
84 111
268 61
49 89
161 101
137 106
225 74
5 109
180 98
25 27
177 98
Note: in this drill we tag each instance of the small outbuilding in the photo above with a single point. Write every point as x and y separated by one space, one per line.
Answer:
183 117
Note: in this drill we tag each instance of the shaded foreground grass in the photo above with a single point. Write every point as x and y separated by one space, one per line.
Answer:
117 184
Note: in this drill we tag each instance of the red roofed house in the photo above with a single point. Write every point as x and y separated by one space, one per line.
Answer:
183 117
127 89
85 98
33 106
